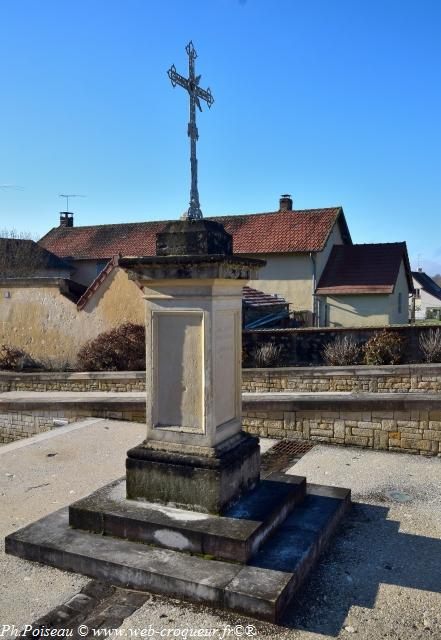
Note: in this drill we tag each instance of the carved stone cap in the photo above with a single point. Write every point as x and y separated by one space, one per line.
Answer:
195 267
194 237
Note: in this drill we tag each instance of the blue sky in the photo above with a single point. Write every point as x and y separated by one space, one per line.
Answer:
333 101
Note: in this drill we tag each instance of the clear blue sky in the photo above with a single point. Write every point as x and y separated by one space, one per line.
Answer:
333 101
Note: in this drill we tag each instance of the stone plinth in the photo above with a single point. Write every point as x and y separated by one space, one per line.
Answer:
195 455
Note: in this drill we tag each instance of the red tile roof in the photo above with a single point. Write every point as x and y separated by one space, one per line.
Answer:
255 298
364 268
276 232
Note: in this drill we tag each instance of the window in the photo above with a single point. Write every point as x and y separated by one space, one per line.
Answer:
417 294
400 302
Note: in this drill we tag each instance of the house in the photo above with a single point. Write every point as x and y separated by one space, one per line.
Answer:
427 298
296 245
50 316
26 258
365 284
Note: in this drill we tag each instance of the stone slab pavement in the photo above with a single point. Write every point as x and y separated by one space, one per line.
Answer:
39 478
381 577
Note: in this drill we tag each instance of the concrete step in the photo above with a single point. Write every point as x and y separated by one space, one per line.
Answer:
261 589
237 535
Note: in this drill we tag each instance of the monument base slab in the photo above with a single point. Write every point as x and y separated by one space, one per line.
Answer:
262 588
208 483
236 536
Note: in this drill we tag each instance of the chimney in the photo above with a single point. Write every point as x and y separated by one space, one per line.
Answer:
420 269
285 202
66 219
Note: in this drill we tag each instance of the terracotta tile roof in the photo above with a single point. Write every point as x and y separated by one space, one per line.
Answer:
96 284
275 232
364 268
255 298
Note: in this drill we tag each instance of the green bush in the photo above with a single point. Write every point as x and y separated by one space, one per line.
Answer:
385 347
120 349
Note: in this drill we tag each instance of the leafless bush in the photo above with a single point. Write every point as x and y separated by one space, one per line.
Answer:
385 347
266 355
120 349
14 359
343 350
430 345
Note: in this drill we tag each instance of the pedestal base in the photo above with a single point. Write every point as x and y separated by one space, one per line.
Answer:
206 482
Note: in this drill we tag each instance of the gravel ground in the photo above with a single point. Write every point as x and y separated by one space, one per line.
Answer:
33 483
381 577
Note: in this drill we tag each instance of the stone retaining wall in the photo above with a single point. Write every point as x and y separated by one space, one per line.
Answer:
416 378
391 422
66 381
396 423
22 420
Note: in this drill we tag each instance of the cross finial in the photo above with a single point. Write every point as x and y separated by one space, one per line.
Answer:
191 84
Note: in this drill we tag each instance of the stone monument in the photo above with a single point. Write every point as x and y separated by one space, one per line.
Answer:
196 455
193 519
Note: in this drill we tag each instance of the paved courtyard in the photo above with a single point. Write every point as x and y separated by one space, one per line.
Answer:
381 577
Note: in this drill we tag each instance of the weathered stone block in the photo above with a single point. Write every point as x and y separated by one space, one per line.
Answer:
196 482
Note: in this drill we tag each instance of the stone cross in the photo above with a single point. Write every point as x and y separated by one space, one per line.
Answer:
191 84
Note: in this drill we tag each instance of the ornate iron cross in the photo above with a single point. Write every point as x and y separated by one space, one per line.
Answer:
191 84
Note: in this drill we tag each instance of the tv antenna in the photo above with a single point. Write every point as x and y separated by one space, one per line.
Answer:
11 186
69 195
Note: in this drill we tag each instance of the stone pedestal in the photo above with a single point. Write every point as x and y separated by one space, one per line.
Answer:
195 455
192 520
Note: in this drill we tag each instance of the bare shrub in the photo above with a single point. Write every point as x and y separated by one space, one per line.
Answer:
344 350
385 347
266 355
430 345
120 349
15 359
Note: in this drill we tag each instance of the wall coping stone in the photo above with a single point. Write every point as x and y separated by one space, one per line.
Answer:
279 401
319 371
353 370
71 375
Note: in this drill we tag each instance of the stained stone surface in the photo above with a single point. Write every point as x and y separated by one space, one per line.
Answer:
235 536
252 589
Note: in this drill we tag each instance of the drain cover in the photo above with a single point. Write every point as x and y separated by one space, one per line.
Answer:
283 454
399 496
292 447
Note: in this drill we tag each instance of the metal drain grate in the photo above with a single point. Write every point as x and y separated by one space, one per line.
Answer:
282 455
292 447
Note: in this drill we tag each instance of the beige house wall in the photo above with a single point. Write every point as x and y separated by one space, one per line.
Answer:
48 326
86 270
370 309
399 313
322 256
291 275
357 310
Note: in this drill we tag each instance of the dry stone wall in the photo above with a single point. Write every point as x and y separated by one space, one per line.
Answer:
423 378
407 426
19 421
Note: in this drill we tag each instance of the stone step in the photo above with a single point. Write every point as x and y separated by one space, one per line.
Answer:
237 535
261 589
